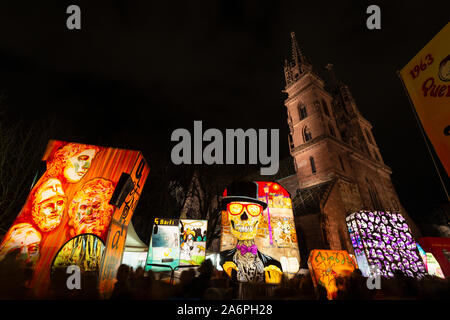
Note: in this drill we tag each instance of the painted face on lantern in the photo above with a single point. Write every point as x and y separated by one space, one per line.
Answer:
384 220
244 219
389 257
25 237
389 249
405 263
363 233
364 216
48 205
89 211
371 217
403 236
380 254
396 256
389 230
363 224
396 233
420 265
78 165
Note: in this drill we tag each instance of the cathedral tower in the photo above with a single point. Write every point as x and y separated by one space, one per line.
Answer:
337 161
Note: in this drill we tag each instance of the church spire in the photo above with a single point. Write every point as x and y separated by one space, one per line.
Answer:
297 56
298 65
333 78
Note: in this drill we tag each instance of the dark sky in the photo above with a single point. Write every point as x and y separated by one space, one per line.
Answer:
139 69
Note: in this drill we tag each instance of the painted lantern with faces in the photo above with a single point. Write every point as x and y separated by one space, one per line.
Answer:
383 243
71 198
48 205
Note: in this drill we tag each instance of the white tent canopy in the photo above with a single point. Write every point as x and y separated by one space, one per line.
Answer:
132 242
135 253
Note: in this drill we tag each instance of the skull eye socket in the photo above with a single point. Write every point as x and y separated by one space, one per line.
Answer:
235 208
254 209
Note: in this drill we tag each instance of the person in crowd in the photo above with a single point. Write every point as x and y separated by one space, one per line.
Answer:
122 290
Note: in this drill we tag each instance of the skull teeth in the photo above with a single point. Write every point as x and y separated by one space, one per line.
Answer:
240 228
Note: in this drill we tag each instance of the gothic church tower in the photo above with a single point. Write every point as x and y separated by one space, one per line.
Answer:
337 161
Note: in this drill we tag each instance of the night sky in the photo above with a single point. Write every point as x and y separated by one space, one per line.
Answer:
138 70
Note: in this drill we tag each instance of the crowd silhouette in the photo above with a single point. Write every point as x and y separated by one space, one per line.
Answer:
206 283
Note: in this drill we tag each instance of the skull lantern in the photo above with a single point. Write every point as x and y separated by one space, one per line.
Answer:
244 219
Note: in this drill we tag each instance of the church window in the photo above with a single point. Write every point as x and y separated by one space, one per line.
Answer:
325 108
302 111
342 163
313 164
373 195
376 155
369 137
331 130
395 204
306 134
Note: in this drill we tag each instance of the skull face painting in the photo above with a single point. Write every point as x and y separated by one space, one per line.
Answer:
89 211
25 237
48 205
244 218
245 263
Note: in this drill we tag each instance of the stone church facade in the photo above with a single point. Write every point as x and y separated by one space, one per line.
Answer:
338 165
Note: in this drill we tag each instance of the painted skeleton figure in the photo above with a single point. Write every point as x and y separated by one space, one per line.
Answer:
249 267
245 261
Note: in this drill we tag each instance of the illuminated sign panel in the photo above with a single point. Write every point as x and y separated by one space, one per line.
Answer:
192 241
268 234
384 240
434 269
177 242
72 199
326 265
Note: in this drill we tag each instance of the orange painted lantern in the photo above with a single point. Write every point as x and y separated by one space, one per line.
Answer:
82 203
326 265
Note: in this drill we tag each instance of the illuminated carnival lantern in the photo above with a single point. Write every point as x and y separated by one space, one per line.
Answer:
383 243
327 265
176 242
78 212
258 238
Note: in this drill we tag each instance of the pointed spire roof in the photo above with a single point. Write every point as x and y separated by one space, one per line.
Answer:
334 82
297 55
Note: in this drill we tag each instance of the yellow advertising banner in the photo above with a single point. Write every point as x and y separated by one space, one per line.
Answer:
427 80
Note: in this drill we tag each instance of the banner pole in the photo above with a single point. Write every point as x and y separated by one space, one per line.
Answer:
423 134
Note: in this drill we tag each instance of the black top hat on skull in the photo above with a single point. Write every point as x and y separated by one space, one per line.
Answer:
242 191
